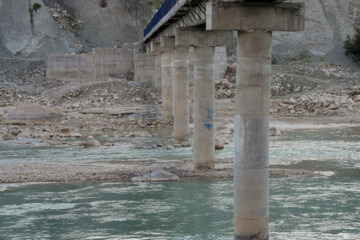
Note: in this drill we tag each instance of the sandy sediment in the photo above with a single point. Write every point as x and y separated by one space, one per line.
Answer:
117 171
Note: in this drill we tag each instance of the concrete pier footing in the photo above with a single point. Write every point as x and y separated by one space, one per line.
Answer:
204 108
167 84
251 162
180 76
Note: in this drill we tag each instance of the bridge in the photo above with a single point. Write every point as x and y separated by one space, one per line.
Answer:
205 24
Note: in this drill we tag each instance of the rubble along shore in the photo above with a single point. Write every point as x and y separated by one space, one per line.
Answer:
118 171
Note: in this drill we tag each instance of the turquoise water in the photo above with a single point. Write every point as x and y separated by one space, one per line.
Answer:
301 208
324 207
327 145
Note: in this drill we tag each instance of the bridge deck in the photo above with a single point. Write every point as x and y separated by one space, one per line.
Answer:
170 12
173 11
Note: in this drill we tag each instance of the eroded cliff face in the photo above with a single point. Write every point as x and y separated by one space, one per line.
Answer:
121 21
328 22
24 34
30 35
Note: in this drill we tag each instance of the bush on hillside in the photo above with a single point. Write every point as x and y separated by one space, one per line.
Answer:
36 6
352 46
157 3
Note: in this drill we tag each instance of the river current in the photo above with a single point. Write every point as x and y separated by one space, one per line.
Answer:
301 207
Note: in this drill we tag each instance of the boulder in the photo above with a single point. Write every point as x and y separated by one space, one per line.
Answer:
14 130
186 144
144 134
219 144
33 113
274 132
8 137
170 147
156 176
92 143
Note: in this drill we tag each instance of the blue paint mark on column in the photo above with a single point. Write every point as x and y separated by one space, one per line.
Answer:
208 123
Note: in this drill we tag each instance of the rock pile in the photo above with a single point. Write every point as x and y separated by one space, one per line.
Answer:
114 92
320 104
65 20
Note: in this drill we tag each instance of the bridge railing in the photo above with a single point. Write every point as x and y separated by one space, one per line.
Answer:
163 10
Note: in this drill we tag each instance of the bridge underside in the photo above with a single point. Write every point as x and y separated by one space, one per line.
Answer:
204 25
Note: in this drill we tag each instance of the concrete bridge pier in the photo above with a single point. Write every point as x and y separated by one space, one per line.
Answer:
180 76
255 23
167 45
204 108
166 77
155 50
251 162
204 43
158 71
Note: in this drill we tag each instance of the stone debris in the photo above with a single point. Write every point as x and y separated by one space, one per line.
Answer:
65 20
274 132
342 103
156 176
33 114
219 144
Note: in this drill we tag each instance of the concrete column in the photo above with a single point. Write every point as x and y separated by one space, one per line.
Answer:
251 163
204 108
220 62
180 75
166 78
158 71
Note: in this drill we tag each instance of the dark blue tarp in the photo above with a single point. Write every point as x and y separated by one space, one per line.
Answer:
163 10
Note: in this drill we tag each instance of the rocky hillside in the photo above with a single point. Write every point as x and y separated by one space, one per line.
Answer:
60 26
328 23
34 28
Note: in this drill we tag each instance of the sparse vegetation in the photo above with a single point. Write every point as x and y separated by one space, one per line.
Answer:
157 3
35 7
31 12
352 46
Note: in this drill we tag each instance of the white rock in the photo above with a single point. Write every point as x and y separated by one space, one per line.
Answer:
170 147
219 144
156 176
75 135
274 132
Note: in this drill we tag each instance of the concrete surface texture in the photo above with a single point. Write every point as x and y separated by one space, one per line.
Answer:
98 66
144 68
204 108
251 134
157 73
69 67
112 62
180 75
167 83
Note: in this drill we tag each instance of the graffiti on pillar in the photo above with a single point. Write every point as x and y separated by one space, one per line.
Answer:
208 122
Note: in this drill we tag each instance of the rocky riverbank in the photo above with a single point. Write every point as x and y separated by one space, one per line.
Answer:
82 115
121 171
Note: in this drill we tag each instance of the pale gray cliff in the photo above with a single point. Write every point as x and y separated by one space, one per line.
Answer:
328 22
26 36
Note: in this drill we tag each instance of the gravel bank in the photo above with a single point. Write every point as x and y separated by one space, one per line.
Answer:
124 171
